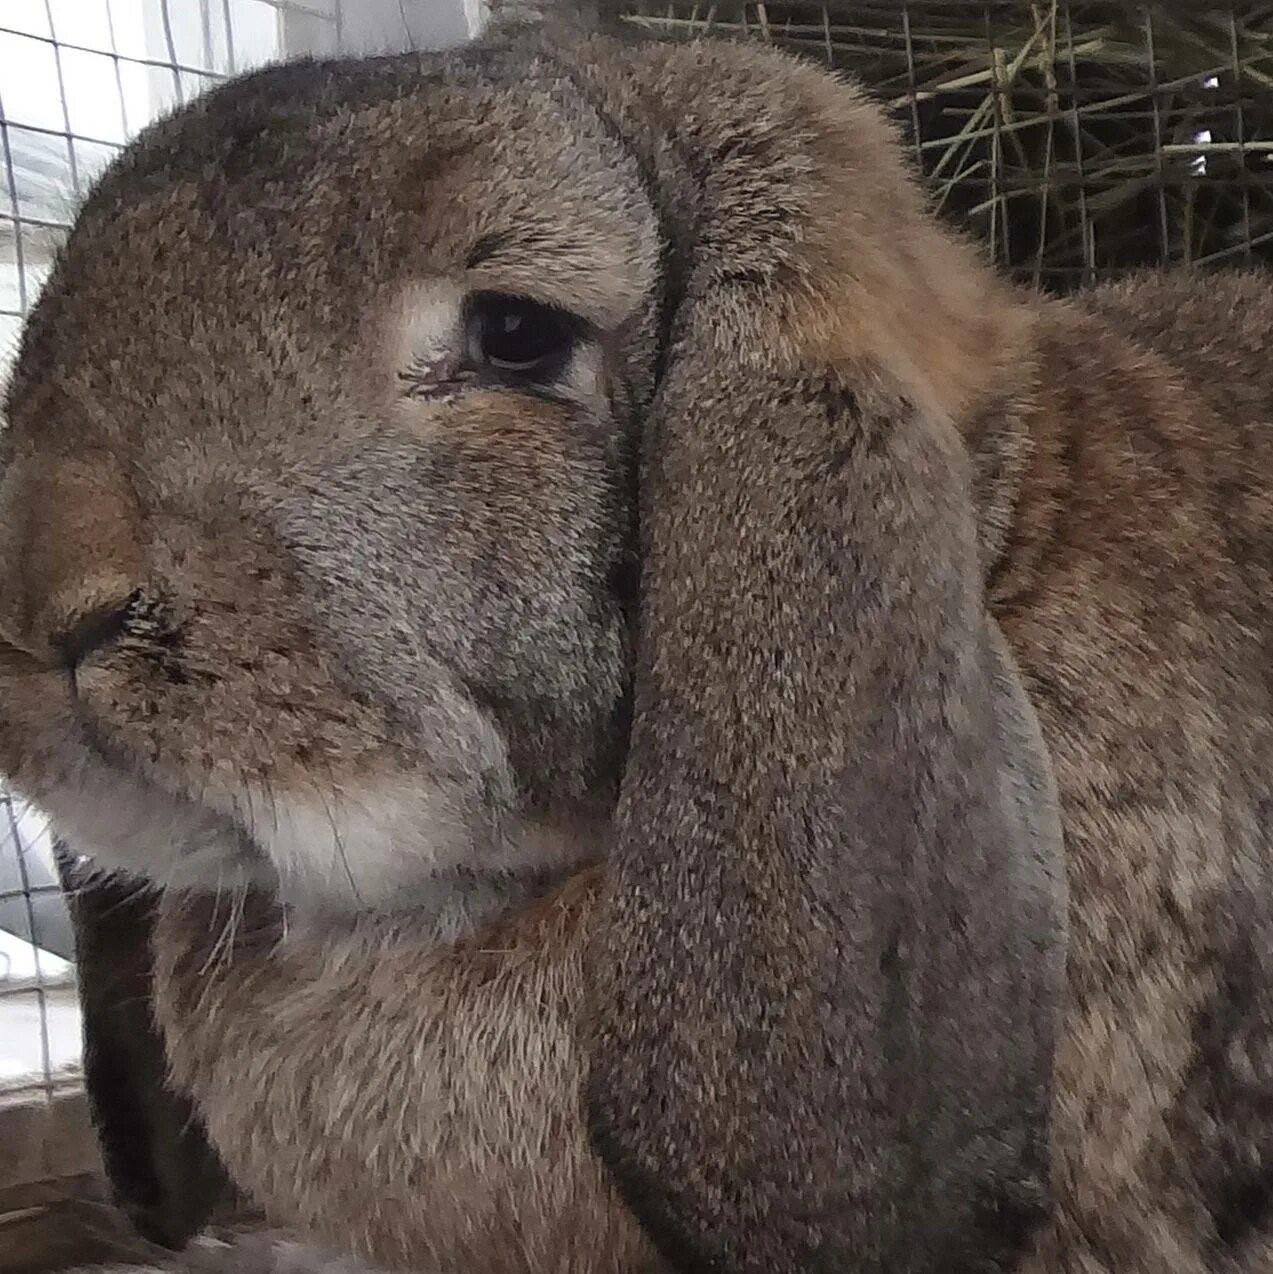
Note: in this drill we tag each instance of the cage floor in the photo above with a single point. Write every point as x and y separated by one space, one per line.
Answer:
60 1224
69 1225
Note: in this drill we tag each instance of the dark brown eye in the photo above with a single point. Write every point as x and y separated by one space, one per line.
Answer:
513 334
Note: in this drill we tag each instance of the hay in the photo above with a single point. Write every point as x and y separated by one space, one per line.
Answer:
1078 140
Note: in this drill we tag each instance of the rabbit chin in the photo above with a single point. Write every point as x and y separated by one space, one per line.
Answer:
386 845
393 846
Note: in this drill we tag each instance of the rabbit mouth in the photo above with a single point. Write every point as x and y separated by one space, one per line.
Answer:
380 846
138 770
329 856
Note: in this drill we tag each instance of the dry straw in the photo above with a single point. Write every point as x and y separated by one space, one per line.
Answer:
1079 140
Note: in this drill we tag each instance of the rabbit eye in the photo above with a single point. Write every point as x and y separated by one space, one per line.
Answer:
513 334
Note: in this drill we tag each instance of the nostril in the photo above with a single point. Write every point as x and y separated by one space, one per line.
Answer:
93 630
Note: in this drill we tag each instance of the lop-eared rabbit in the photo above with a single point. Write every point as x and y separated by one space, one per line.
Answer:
684 723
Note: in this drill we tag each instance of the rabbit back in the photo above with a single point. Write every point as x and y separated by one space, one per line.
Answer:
1134 591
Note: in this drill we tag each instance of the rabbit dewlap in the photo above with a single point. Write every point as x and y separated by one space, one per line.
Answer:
760 730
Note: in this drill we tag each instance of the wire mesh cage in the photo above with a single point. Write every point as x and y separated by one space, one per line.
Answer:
1077 140
39 1019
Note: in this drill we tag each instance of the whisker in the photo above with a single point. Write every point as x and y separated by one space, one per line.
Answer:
238 906
337 840
268 789
223 938
248 810
340 849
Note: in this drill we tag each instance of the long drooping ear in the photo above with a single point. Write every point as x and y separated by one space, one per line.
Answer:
826 988
162 1171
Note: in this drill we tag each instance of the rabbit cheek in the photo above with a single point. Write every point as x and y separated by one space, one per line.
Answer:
543 521
229 702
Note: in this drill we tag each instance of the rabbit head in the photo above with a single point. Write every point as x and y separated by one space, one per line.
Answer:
427 474
316 490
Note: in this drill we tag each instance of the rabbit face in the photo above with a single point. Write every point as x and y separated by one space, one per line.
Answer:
320 497
315 504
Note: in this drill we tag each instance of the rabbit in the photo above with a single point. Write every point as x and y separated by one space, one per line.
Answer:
583 476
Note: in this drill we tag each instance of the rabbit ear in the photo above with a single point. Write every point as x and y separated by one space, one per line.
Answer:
163 1173
827 980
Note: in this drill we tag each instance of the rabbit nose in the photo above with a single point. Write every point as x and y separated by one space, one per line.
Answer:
70 559
93 631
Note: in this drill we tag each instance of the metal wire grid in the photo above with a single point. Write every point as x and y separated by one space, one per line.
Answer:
1078 140
39 1049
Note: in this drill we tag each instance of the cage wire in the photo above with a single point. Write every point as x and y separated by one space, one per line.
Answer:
1077 140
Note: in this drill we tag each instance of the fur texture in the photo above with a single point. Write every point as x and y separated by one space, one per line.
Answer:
917 557
496 1160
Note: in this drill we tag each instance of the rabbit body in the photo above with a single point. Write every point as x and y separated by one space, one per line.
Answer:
922 561
1149 452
